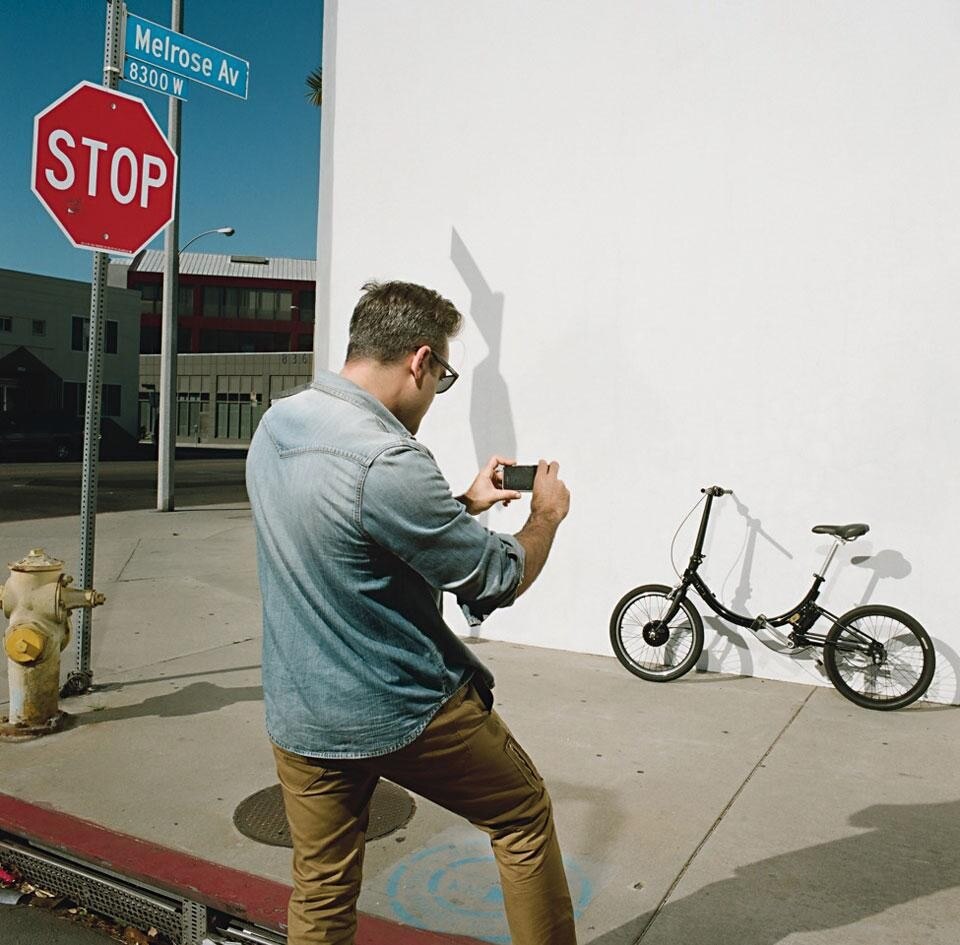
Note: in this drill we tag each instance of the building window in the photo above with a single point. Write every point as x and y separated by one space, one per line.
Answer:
185 301
80 335
307 303
110 400
75 399
6 323
212 301
39 326
149 339
193 399
150 298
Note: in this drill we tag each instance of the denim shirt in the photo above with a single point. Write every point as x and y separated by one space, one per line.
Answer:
357 532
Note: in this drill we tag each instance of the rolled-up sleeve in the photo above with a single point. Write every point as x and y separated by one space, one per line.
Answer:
406 507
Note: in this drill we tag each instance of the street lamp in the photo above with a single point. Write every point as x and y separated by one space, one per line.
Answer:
224 230
168 372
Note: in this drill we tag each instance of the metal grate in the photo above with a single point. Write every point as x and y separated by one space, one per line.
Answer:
193 922
96 891
262 818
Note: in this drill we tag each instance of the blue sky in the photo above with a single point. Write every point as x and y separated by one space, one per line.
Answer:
248 164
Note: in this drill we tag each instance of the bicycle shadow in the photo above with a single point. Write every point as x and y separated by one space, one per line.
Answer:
817 888
491 417
728 651
882 565
890 564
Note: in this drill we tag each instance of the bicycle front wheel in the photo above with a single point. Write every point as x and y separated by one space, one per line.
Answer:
879 657
644 645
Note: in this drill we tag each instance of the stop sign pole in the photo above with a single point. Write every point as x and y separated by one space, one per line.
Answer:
80 679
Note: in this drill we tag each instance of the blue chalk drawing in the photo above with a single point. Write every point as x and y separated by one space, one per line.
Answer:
455 887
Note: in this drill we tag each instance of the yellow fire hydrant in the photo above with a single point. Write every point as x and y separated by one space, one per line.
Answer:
37 600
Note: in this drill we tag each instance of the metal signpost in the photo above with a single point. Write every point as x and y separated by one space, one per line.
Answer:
102 168
107 175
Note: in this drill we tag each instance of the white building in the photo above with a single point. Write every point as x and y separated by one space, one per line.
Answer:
695 244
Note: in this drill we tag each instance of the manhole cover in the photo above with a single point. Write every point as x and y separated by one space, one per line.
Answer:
262 818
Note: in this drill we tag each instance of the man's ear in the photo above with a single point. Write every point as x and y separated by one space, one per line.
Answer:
420 364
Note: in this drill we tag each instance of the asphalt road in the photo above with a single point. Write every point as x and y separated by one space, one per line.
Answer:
44 490
23 925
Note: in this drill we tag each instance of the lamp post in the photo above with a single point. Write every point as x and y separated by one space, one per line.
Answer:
223 230
168 372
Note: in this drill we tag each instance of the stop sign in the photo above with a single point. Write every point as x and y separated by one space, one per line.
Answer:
103 169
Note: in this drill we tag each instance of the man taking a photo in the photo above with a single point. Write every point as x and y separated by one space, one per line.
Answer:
357 535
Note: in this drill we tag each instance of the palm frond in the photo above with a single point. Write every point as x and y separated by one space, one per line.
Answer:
315 87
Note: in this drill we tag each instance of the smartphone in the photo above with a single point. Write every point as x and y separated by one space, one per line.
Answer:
519 478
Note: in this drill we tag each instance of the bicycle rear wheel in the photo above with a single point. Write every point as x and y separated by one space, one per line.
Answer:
879 657
646 648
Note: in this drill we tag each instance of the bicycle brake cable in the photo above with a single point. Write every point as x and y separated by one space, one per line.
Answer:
677 532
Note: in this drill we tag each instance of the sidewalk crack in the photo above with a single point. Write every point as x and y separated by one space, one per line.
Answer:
119 576
720 816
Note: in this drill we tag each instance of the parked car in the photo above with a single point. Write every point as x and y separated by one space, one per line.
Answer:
40 435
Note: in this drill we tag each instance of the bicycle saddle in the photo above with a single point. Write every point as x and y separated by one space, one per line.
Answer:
843 532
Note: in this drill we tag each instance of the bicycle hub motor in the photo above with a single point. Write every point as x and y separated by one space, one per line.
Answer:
656 633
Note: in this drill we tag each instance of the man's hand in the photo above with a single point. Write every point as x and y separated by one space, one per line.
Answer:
548 508
487 489
551 498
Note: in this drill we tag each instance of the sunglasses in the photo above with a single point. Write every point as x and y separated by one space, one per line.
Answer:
449 375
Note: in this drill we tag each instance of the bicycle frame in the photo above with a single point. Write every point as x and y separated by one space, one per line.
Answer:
800 618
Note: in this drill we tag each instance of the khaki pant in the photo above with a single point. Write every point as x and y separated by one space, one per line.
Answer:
468 762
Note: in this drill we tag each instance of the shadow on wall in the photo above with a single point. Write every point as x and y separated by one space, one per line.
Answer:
889 564
818 888
884 564
727 651
491 419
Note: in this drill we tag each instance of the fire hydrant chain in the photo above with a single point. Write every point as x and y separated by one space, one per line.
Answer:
37 600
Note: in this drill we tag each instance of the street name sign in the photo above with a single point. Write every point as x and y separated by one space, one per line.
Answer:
154 79
103 169
166 49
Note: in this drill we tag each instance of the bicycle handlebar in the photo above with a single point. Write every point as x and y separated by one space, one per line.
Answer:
717 491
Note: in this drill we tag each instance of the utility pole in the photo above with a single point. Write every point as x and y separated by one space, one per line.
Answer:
168 329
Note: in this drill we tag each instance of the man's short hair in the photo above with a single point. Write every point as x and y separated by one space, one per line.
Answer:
394 318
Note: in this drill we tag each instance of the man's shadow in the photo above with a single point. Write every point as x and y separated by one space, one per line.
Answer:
908 851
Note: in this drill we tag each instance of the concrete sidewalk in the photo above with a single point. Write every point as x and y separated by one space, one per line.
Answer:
708 810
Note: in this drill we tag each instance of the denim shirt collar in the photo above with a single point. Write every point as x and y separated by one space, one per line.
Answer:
339 386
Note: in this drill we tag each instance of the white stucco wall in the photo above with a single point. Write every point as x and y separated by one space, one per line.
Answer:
694 243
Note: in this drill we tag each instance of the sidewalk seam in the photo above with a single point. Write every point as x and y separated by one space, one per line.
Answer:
119 577
173 659
720 816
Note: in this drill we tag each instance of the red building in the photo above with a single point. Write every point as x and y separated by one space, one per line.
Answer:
227 304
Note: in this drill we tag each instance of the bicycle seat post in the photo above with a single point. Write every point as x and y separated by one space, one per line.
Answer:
837 542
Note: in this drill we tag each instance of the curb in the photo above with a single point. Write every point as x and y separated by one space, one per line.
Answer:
234 892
